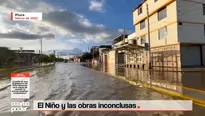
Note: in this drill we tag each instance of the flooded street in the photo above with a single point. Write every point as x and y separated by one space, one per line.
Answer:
69 81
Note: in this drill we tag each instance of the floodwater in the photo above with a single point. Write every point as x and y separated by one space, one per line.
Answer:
70 81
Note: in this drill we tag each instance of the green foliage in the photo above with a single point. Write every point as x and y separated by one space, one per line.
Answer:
44 58
96 54
86 56
66 60
50 58
60 60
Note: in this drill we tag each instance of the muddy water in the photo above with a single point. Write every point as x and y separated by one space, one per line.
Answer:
69 81
190 84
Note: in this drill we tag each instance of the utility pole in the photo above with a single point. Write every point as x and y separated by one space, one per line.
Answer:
124 34
93 49
148 27
41 45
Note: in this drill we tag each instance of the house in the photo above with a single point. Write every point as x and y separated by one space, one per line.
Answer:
176 30
128 52
103 49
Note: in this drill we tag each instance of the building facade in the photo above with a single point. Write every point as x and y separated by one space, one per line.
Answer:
102 51
176 29
26 57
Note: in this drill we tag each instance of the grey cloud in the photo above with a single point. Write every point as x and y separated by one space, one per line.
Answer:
71 22
25 36
21 5
44 29
64 19
48 36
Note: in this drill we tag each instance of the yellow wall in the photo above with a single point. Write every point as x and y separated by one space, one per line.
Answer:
170 22
153 7
111 62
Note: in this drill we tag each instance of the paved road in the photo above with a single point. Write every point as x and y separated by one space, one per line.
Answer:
68 81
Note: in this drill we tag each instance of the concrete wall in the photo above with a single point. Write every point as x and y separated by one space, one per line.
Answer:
190 14
191 10
112 62
111 59
168 56
191 33
131 36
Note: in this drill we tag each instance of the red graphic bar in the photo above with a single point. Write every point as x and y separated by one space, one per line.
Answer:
14 75
11 16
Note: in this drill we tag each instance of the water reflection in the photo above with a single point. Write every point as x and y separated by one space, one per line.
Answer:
191 84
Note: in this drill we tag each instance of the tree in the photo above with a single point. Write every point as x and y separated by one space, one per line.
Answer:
44 58
96 54
59 59
66 60
86 56
52 58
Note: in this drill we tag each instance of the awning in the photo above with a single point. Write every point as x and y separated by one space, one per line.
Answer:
128 46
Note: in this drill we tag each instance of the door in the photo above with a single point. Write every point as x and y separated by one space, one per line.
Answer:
190 56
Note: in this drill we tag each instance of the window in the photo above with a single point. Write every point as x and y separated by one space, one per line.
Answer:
143 39
204 29
142 24
139 10
155 0
162 33
135 42
204 9
180 23
162 14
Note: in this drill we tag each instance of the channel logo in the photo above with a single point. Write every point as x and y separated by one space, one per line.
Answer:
19 106
23 16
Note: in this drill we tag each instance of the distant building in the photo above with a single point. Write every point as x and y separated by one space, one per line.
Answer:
26 57
77 59
94 49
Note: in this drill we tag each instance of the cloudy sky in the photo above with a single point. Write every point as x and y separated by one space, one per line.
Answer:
66 24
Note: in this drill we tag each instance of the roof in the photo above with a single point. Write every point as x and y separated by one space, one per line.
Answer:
106 49
105 46
95 47
119 38
24 51
139 5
